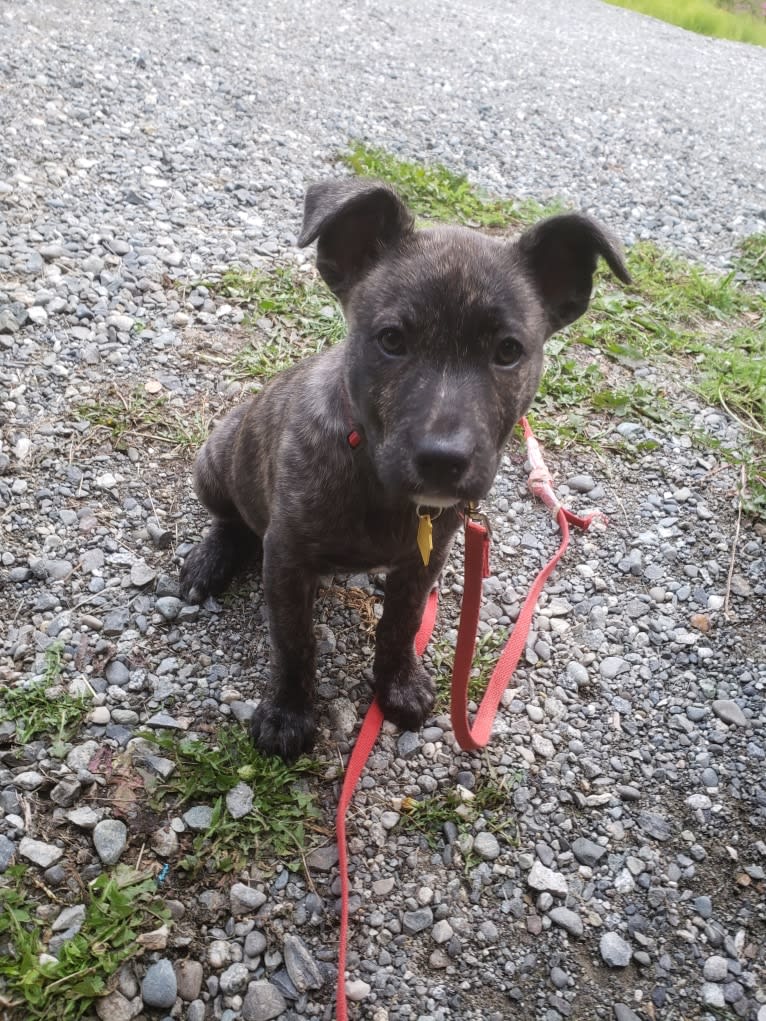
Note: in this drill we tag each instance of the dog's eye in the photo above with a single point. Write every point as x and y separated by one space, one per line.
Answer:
508 352
392 342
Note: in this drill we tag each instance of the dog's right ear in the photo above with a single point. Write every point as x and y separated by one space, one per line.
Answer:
355 222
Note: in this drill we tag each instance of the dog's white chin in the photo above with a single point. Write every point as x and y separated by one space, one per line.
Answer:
425 500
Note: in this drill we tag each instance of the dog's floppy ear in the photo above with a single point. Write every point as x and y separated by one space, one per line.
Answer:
560 256
355 221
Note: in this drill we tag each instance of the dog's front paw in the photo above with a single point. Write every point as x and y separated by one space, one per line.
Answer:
283 732
407 699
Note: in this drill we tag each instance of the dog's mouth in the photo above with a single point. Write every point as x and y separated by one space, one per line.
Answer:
430 501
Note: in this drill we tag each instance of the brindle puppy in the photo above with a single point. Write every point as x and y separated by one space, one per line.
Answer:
444 353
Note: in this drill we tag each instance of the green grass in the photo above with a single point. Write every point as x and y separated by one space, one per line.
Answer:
43 706
751 259
283 820
704 332
491 799
704 17
138 416
294 315
118 908
436 193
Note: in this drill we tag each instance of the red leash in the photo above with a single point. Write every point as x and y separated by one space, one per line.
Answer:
468 737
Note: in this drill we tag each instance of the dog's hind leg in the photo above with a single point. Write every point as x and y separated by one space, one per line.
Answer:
210 566
228 546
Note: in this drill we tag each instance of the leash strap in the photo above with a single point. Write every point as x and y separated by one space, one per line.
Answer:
470 738
365 742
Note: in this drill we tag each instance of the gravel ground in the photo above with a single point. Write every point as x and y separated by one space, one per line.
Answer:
142 146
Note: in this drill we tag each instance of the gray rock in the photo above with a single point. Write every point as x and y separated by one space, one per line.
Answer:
417 921
65 793
188 979
623 1013
70 918
117 673
164 843
323 858
577 674
486 845
142 574
357 990
234 980
198 817
7 851
169 607
196 1011
93 264
245 900
116 1007
559 978
85 817
255 943
581 483
110 838
239 801
728 711
703 906
156 763
159 987
164 721
613 666
116 621
715 968
568 920
29 780
122 323
408 744
543 879
263 1002
39 853
654 825
712 995
614 950
300 965
442 932
588 852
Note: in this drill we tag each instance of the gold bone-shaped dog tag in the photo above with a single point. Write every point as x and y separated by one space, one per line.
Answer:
425 537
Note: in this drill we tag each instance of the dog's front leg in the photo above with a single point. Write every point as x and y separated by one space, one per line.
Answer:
283 723
403 686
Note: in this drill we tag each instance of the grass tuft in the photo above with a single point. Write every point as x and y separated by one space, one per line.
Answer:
282 821
704 17
436 193
491 800
119 906
144 416
294 316
43 706
751 259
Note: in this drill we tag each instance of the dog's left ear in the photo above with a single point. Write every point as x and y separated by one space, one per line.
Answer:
355 222
560 256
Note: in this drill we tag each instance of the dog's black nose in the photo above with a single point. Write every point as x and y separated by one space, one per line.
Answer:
442 462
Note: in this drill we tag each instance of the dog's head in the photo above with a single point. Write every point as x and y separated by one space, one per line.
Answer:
446 329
